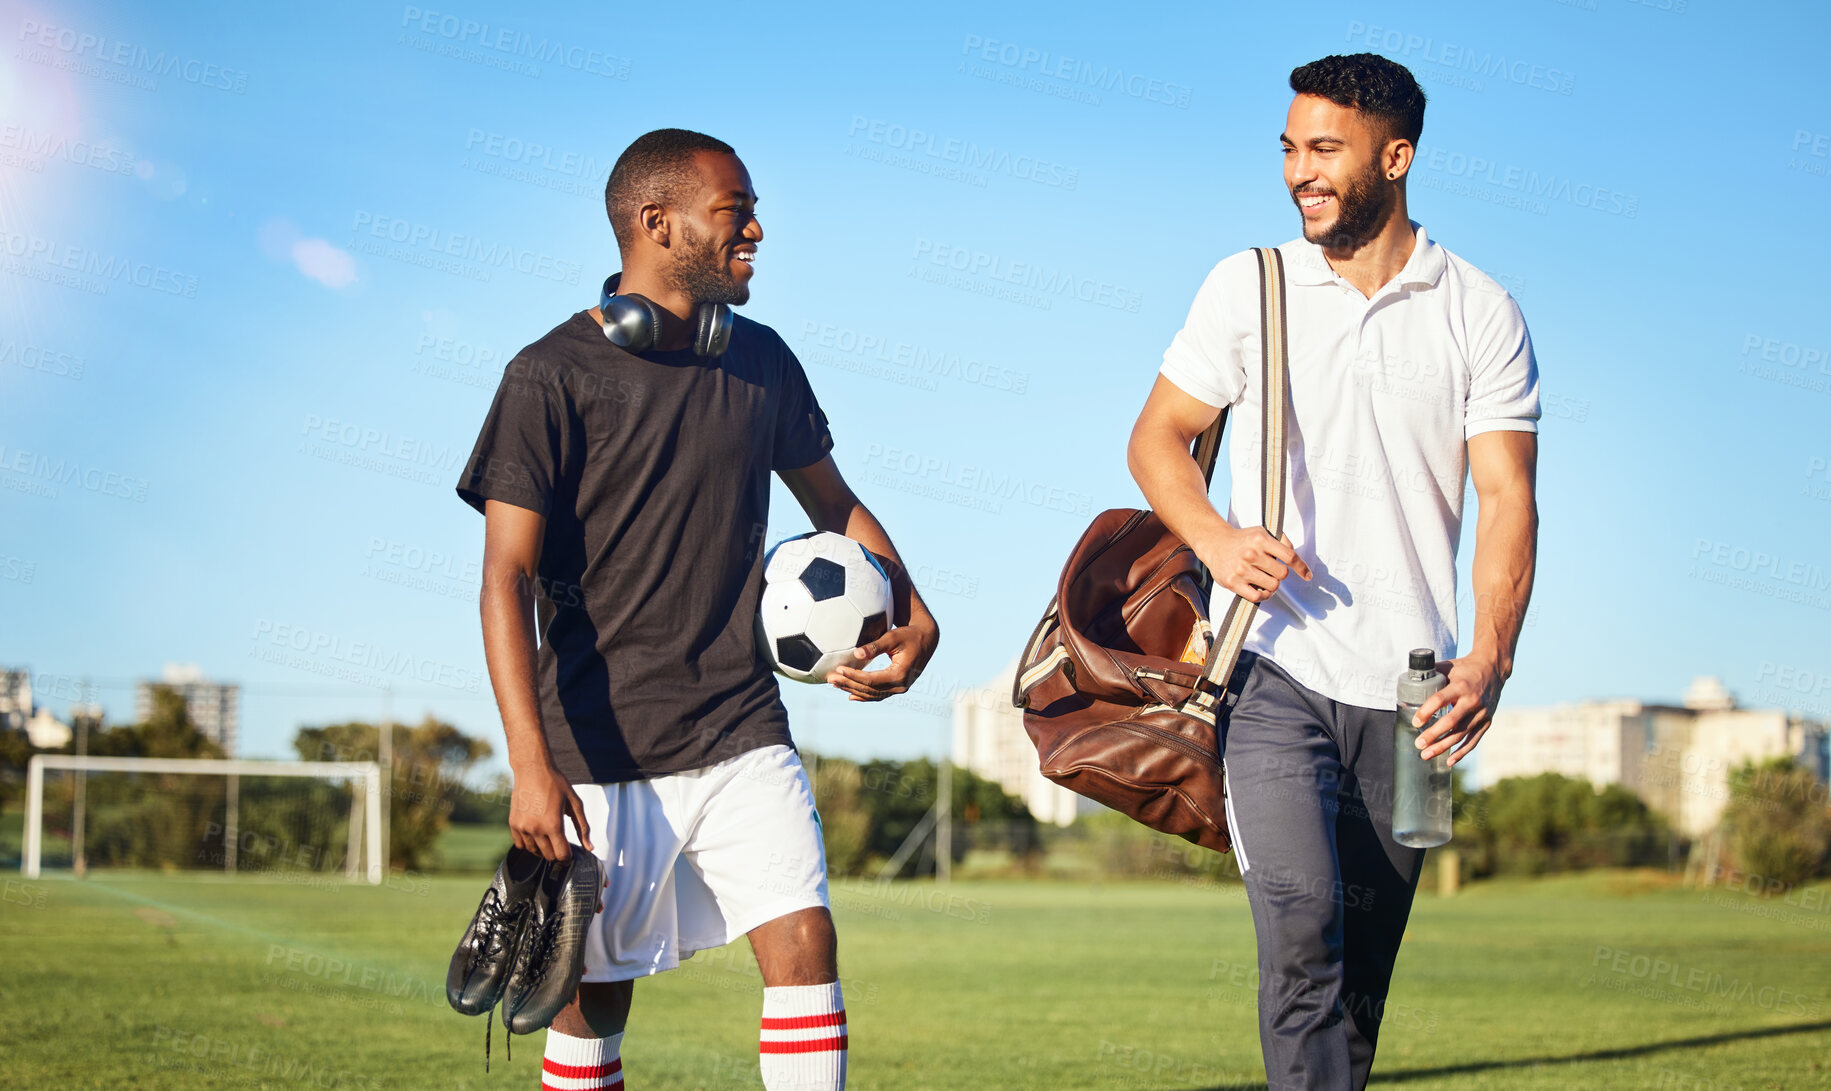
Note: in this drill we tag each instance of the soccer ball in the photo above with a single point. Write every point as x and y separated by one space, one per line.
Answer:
824 596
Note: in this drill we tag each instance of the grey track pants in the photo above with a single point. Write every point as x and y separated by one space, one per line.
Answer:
1310 810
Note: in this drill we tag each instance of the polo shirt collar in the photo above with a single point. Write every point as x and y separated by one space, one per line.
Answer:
1305 263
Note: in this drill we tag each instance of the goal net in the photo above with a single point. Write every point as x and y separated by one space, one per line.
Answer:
290 819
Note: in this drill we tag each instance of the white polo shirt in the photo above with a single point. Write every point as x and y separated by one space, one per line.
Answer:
1385 393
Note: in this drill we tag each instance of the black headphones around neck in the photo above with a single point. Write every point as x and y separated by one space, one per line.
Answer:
633 322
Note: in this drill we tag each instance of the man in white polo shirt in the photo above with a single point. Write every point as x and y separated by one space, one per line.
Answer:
1409 368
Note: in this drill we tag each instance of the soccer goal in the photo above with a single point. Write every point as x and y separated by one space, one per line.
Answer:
292 819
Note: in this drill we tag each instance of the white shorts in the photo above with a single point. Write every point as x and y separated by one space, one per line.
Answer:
694 860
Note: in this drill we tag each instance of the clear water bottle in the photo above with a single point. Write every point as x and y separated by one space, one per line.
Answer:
1420 788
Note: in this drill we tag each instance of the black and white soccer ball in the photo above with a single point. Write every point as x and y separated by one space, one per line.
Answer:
824 597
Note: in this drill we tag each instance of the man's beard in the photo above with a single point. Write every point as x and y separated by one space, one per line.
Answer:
702 274
1361 208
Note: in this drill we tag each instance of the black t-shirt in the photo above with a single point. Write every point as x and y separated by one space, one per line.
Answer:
653 473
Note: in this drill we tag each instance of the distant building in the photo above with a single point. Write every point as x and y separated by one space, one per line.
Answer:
214 707
19 712
1676 758
46 731
989 740
15 697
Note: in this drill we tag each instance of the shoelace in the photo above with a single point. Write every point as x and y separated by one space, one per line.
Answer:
535 960
535 951
495 926
508 1039
495 919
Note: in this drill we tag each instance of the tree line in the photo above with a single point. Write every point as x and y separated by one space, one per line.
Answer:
1776 822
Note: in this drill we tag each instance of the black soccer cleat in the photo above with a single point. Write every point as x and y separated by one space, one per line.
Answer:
547 968
480 967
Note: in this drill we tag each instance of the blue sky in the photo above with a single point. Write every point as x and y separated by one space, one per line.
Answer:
261 273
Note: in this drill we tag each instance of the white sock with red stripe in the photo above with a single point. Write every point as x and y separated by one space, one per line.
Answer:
804 1038
582 1064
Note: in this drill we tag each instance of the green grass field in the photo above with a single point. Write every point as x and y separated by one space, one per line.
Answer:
1604 980
471 848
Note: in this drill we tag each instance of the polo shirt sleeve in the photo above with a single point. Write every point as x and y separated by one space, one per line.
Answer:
523 445
1503 376
1204 359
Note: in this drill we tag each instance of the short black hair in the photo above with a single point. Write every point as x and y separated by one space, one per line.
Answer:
656 167
1370 83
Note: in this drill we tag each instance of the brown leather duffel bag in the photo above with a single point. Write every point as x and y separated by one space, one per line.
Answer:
1119 694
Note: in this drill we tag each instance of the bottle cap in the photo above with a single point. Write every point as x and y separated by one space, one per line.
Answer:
1423 659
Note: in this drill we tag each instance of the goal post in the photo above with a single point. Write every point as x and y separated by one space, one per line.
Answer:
365 826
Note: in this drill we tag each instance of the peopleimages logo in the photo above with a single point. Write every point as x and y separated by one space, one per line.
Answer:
38 358
1073 77
34 148
1755 562
1818 466
1811 149
534 153
923 360
358 661
964 154
107 268
1656 970
436 241
379 441
973 480
1526 182
535 163
1045 282
41 474
1758 572
1774 350
458 361
1788 363
130 63
378 451
1787 677
514 45
1420 49
17 569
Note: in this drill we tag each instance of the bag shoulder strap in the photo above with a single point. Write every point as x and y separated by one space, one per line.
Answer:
1207 447
1274 367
